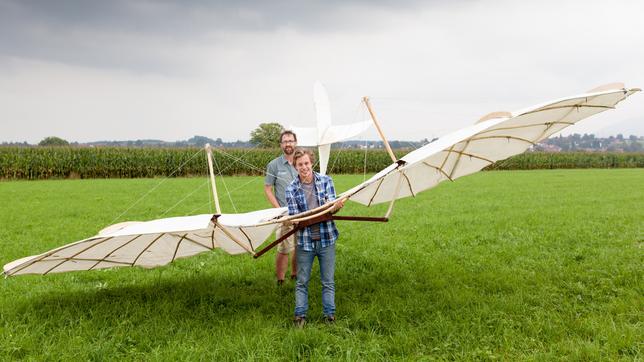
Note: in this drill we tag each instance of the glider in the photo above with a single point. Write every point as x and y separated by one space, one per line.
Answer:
494 137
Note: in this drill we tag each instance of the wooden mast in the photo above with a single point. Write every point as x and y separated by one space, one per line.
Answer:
212 178
375 122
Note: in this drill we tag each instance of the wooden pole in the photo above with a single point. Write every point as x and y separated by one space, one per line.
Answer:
375 122
317 219
212 178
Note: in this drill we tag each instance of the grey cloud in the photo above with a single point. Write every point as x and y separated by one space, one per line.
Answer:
127 34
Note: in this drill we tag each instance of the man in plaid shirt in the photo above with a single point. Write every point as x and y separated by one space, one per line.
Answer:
308 191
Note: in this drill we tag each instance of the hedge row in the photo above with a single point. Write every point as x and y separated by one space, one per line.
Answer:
69 162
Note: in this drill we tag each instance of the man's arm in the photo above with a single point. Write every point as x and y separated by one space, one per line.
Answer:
291 202
270 196
269 181
330 190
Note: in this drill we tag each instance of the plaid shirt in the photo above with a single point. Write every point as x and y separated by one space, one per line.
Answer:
296 202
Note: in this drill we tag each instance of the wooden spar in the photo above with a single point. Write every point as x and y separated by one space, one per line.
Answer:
394 196
319 218
375 122
212 178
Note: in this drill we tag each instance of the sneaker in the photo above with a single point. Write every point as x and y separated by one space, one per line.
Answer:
299 321
330 319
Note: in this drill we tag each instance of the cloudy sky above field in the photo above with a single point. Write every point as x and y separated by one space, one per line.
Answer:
107 70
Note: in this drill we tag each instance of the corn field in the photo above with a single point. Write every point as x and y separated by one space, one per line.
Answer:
70 162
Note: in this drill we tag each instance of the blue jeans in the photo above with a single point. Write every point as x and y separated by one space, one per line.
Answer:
326 258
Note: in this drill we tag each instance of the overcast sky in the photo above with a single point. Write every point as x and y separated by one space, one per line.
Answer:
115 70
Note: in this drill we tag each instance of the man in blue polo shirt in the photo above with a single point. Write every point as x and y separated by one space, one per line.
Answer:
279 174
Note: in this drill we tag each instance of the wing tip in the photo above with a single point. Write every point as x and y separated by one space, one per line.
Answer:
500 114
607 87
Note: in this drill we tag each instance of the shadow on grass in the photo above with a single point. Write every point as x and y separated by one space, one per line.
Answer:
186 295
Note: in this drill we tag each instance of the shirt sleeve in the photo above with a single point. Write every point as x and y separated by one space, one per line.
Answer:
330 189
290 202
271 174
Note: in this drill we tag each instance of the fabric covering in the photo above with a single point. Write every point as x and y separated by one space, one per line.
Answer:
471 149
154 243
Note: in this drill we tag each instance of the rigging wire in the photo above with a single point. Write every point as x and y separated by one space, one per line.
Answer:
253 179
155 187
188 195
221 176
366 148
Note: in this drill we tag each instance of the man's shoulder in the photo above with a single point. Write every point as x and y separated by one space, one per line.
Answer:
292 186
323 178
275 161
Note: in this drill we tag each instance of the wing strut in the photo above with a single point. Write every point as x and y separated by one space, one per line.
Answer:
375 122
212 178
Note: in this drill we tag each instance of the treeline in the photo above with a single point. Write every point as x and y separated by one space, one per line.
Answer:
118 162
588 142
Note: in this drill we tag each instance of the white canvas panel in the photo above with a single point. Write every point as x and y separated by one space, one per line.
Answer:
171 224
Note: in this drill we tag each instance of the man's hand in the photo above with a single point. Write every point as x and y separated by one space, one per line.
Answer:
338 205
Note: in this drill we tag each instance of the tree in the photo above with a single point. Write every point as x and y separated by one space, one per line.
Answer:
201 141
53 141
266 135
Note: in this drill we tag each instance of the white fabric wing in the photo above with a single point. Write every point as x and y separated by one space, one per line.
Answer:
471 149
154 243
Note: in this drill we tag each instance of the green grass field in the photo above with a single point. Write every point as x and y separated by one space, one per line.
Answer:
523 265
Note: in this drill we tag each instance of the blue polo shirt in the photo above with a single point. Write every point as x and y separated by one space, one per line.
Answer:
279 174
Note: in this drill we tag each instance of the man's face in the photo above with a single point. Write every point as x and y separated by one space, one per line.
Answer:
304 167
288 144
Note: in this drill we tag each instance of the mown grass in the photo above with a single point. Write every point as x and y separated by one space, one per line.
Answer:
522 265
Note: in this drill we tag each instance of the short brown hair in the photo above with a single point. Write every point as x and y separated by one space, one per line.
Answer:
288 132
301 152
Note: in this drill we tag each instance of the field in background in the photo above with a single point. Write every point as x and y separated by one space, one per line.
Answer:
521 265
117 162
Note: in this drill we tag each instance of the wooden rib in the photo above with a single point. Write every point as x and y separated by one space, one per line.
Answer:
572 105
46 255
375 192
447 156
112 252
198 243
88 259
250 242
408 184
458 159
212 238
548 126
73 256
360 218
474 156
438 169
507 137
177 248
233 238
394 197
146 248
